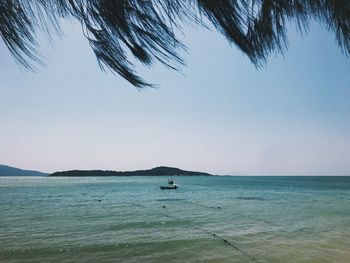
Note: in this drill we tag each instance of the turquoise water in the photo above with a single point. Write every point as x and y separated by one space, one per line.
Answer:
116 219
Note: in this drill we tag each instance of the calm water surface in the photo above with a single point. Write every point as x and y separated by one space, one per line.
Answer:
208 219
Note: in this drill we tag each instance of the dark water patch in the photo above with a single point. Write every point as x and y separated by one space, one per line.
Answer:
187 202
250 198
201 205
169 200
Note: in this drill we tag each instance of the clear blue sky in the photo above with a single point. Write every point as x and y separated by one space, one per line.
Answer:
220 115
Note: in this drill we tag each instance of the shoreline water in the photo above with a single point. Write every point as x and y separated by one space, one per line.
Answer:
128 219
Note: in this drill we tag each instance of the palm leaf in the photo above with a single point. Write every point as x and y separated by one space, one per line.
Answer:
144 29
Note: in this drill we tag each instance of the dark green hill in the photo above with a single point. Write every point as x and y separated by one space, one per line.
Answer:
12 171
158 171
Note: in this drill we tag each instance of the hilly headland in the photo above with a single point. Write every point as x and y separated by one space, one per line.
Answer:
6 170
157 171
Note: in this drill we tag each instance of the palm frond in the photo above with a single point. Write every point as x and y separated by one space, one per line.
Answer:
144 29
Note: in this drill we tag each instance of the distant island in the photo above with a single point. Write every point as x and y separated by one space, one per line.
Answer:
158 171
6 170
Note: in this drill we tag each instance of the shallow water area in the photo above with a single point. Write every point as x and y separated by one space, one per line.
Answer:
207 219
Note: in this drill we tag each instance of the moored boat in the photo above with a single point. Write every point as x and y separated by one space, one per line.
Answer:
171 185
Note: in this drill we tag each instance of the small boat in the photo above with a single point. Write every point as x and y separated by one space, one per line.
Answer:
171 185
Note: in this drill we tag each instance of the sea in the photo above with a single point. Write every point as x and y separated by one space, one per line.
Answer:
207 219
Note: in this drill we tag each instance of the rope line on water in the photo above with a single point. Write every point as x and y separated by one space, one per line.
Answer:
214 235
227 242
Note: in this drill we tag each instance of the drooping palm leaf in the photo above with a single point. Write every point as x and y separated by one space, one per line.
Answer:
117 29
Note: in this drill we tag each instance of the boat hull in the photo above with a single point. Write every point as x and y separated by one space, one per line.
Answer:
170 187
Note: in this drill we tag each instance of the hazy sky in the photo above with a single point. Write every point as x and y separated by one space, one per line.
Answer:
220 115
